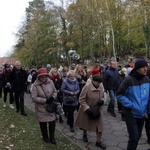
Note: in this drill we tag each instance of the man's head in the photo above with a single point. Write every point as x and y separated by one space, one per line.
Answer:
17 65
141 66
113 64
73 66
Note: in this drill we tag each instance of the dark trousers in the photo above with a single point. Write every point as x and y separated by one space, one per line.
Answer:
134 127
0 92
47 134
70 115
11 96
147 129
19 100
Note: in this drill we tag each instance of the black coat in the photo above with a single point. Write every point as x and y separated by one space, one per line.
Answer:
18 79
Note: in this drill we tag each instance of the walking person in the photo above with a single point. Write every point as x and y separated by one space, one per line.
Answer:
29 80
1 82
70 89
111 83
134 95
147 115
7 86
92 94
43 93
18 80
57 80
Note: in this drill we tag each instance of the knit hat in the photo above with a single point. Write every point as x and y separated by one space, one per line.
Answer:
6 66
95 71
48 66
139 63
42 72
98 78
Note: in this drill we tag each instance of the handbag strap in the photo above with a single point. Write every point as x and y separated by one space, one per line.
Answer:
43 90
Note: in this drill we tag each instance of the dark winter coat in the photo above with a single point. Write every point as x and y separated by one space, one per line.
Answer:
111 79
134 94
18 79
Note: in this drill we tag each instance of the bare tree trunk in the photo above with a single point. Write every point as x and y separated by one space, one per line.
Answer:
112 32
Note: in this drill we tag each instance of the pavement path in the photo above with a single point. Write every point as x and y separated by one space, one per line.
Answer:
114 136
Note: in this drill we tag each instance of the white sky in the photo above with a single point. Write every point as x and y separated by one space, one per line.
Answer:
11 16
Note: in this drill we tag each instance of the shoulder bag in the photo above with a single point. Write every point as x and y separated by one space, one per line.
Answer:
52 107
94 111
69 99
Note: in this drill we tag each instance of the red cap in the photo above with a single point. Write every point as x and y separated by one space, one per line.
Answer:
42 72
95 71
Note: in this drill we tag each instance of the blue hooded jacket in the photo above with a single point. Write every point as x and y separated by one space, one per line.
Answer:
134 94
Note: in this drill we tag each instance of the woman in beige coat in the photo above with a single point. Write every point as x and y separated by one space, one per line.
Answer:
43 93
91 95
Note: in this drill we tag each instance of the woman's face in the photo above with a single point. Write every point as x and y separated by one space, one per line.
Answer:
96 84
55 73
43 79
71 77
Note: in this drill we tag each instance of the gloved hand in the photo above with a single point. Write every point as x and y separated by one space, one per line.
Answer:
49 101
100 103
89 112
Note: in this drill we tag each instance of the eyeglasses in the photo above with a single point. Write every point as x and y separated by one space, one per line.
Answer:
43 77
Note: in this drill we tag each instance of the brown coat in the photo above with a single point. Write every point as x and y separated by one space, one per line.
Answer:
38 95
89 97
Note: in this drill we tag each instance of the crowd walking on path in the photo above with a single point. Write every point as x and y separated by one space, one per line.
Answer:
80 93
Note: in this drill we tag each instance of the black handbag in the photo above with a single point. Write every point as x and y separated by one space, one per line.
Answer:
51 108
69 99
94 112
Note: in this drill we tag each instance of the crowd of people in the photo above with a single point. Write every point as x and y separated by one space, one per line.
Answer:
79 88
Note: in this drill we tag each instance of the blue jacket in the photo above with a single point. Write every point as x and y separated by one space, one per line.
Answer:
70 86
134 94
111 79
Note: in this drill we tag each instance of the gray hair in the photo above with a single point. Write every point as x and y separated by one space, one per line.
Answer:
17 63
70 72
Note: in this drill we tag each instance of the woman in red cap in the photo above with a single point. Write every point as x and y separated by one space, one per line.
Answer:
43 93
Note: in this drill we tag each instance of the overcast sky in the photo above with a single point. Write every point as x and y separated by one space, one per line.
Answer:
11 16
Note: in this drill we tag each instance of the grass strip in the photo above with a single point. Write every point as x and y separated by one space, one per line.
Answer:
18 132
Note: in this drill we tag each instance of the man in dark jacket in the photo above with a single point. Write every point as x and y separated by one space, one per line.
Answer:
134 95
18 80
111 83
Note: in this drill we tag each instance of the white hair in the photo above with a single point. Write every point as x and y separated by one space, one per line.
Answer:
71 72
17 63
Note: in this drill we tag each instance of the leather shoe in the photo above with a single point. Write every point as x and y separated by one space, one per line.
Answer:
53 141
72 129
101 145
85 139
60 120
148 141
46 140
112 113
24 114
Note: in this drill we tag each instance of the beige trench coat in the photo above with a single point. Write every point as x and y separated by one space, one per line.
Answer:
40 92
89 97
